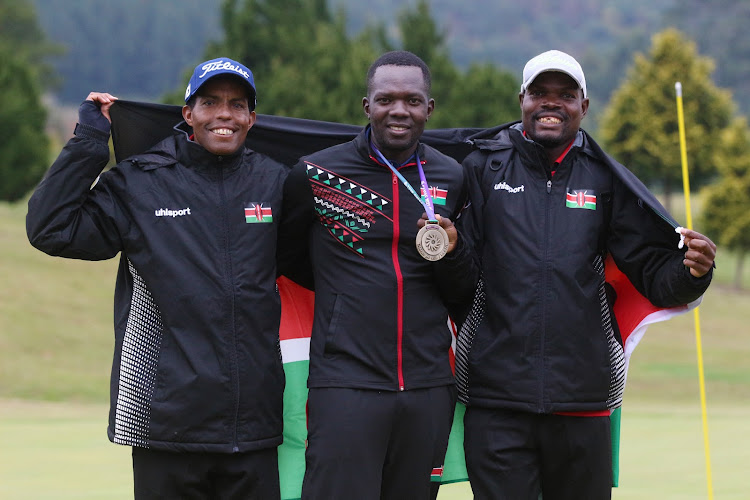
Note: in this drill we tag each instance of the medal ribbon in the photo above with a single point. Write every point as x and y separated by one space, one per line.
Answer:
427 203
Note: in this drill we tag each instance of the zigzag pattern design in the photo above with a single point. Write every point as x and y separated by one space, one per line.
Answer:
346 209
343 212
357 192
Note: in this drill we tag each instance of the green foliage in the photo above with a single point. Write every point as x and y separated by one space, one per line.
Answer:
138 48
307 65
23 150
482 96
726 206
640 126
21 34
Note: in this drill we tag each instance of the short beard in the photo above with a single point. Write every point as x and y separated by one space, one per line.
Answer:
549 142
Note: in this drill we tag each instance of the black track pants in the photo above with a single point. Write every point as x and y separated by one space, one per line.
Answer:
514 455
201 476
372 445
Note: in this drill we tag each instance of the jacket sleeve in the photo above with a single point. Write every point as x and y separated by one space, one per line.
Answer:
67 217
297 217
644 247
470 224
458 272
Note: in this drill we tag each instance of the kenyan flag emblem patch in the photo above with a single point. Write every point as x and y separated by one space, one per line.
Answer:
439 196
437 474
581 198
256 212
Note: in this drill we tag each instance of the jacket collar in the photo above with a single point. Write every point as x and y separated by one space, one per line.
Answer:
192 154
362 144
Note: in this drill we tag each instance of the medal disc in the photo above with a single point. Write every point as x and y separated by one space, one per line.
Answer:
432 241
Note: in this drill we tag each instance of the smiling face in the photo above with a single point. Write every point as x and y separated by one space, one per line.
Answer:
552 109
220 116
398 106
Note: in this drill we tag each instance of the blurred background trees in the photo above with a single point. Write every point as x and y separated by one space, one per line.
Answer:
23 142
640 129
726 204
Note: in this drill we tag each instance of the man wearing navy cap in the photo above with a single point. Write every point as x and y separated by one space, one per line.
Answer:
540 362
197 379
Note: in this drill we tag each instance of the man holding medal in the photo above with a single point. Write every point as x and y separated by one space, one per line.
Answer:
381 389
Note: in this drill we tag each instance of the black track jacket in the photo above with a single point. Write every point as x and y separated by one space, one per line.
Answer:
546 340
197 363
380 308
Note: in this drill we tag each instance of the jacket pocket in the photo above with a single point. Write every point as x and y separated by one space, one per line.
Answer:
333 326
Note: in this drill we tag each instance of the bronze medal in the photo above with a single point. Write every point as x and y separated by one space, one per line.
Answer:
432 241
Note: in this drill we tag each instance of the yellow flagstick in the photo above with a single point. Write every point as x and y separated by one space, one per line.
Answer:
686 188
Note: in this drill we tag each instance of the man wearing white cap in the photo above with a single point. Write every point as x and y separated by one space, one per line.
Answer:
540 360
197 380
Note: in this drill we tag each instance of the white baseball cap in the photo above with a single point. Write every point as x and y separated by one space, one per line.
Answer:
553 60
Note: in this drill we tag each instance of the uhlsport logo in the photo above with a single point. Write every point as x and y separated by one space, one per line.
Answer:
256 213
504 186
581 198
168 212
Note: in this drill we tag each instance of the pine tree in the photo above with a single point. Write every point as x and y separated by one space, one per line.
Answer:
726 204
639 127
24 145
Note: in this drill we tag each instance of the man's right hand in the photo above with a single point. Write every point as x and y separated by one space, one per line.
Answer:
94 111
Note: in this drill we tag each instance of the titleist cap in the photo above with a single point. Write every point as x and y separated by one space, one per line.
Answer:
553 60
221 66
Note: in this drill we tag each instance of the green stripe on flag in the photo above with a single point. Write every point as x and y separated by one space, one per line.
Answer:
614 428
454 465
292 450
587 205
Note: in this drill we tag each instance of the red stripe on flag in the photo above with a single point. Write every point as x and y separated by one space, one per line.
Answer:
297 307
451 351
631 307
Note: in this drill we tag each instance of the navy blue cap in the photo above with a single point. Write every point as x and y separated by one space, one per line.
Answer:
220 66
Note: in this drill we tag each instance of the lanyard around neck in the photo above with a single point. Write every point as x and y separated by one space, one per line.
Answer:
427 203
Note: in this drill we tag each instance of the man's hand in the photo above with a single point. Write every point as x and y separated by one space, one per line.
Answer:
446 224
104 101
94 111
700 254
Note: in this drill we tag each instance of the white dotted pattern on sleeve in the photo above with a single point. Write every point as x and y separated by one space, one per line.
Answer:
138 366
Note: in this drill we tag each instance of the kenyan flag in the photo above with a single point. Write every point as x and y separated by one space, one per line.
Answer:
256 212
437 475
438 195
579 199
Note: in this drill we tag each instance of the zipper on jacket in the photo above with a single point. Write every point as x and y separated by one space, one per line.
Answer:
399 284
543 288
234 364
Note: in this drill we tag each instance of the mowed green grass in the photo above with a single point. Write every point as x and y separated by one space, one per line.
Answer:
55 358
54 451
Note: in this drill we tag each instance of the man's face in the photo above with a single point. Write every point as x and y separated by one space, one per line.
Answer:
398 106
552 109
221 116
